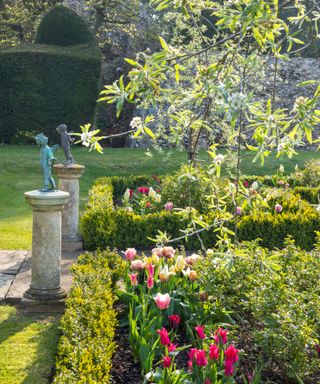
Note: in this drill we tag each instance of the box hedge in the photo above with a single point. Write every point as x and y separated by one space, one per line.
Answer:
88 326
44 85
103 224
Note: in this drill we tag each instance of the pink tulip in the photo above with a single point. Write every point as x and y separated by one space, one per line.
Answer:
278 208
168 252
130 254
150 269
239 211
137 265
150 282
162 301
168 206
134 279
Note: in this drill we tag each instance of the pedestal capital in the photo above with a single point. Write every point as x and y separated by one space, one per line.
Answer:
46 201
69 172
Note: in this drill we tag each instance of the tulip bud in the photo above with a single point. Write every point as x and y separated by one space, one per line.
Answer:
278 208
281 168
126 195
180 264
203 295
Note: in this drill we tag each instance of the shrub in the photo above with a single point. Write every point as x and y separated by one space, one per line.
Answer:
44 85
277 310
102 224
61 26
309 194
88 325
189 186
311 173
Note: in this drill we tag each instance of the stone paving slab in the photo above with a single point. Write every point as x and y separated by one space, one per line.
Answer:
15 273
5 284
10 261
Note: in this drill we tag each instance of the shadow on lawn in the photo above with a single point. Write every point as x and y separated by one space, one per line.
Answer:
45 339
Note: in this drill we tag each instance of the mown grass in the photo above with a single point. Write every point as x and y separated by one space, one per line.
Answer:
27 347
20 172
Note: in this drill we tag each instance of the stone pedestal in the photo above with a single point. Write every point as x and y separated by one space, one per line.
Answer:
45 284
69 176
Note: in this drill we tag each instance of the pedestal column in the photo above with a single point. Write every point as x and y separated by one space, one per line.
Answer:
46 246
69 176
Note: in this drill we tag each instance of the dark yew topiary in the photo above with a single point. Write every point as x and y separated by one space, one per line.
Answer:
44 85
61 26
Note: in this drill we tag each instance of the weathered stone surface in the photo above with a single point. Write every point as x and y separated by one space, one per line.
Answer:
69 176
5 283
10 261
46 245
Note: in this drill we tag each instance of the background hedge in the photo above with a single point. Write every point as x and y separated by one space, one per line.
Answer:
45 85
103 224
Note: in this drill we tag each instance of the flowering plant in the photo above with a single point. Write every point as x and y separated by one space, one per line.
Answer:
146 199
167 304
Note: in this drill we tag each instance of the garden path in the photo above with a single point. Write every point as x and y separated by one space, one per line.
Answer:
15 273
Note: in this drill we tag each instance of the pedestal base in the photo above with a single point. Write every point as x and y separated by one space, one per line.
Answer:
42 306
45 295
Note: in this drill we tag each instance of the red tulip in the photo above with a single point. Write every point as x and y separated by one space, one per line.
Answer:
201 359
228 368
232 354
221 336
174 321
172 347
200 331
166 361
192 353
164 336
214 352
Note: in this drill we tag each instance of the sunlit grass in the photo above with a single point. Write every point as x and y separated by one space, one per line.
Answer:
27 347
20 172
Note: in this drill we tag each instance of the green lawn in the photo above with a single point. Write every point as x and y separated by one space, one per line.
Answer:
27 347
20 172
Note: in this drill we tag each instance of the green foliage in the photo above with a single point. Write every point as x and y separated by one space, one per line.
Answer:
63 27
277 313
311 173
102 225
297 219
309 194
88 325
42 86
189 187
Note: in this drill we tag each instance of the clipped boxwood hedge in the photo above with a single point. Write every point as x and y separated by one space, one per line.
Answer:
44 85
86 346
102 224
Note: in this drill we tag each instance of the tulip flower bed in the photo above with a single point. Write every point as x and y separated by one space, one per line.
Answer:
168 317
